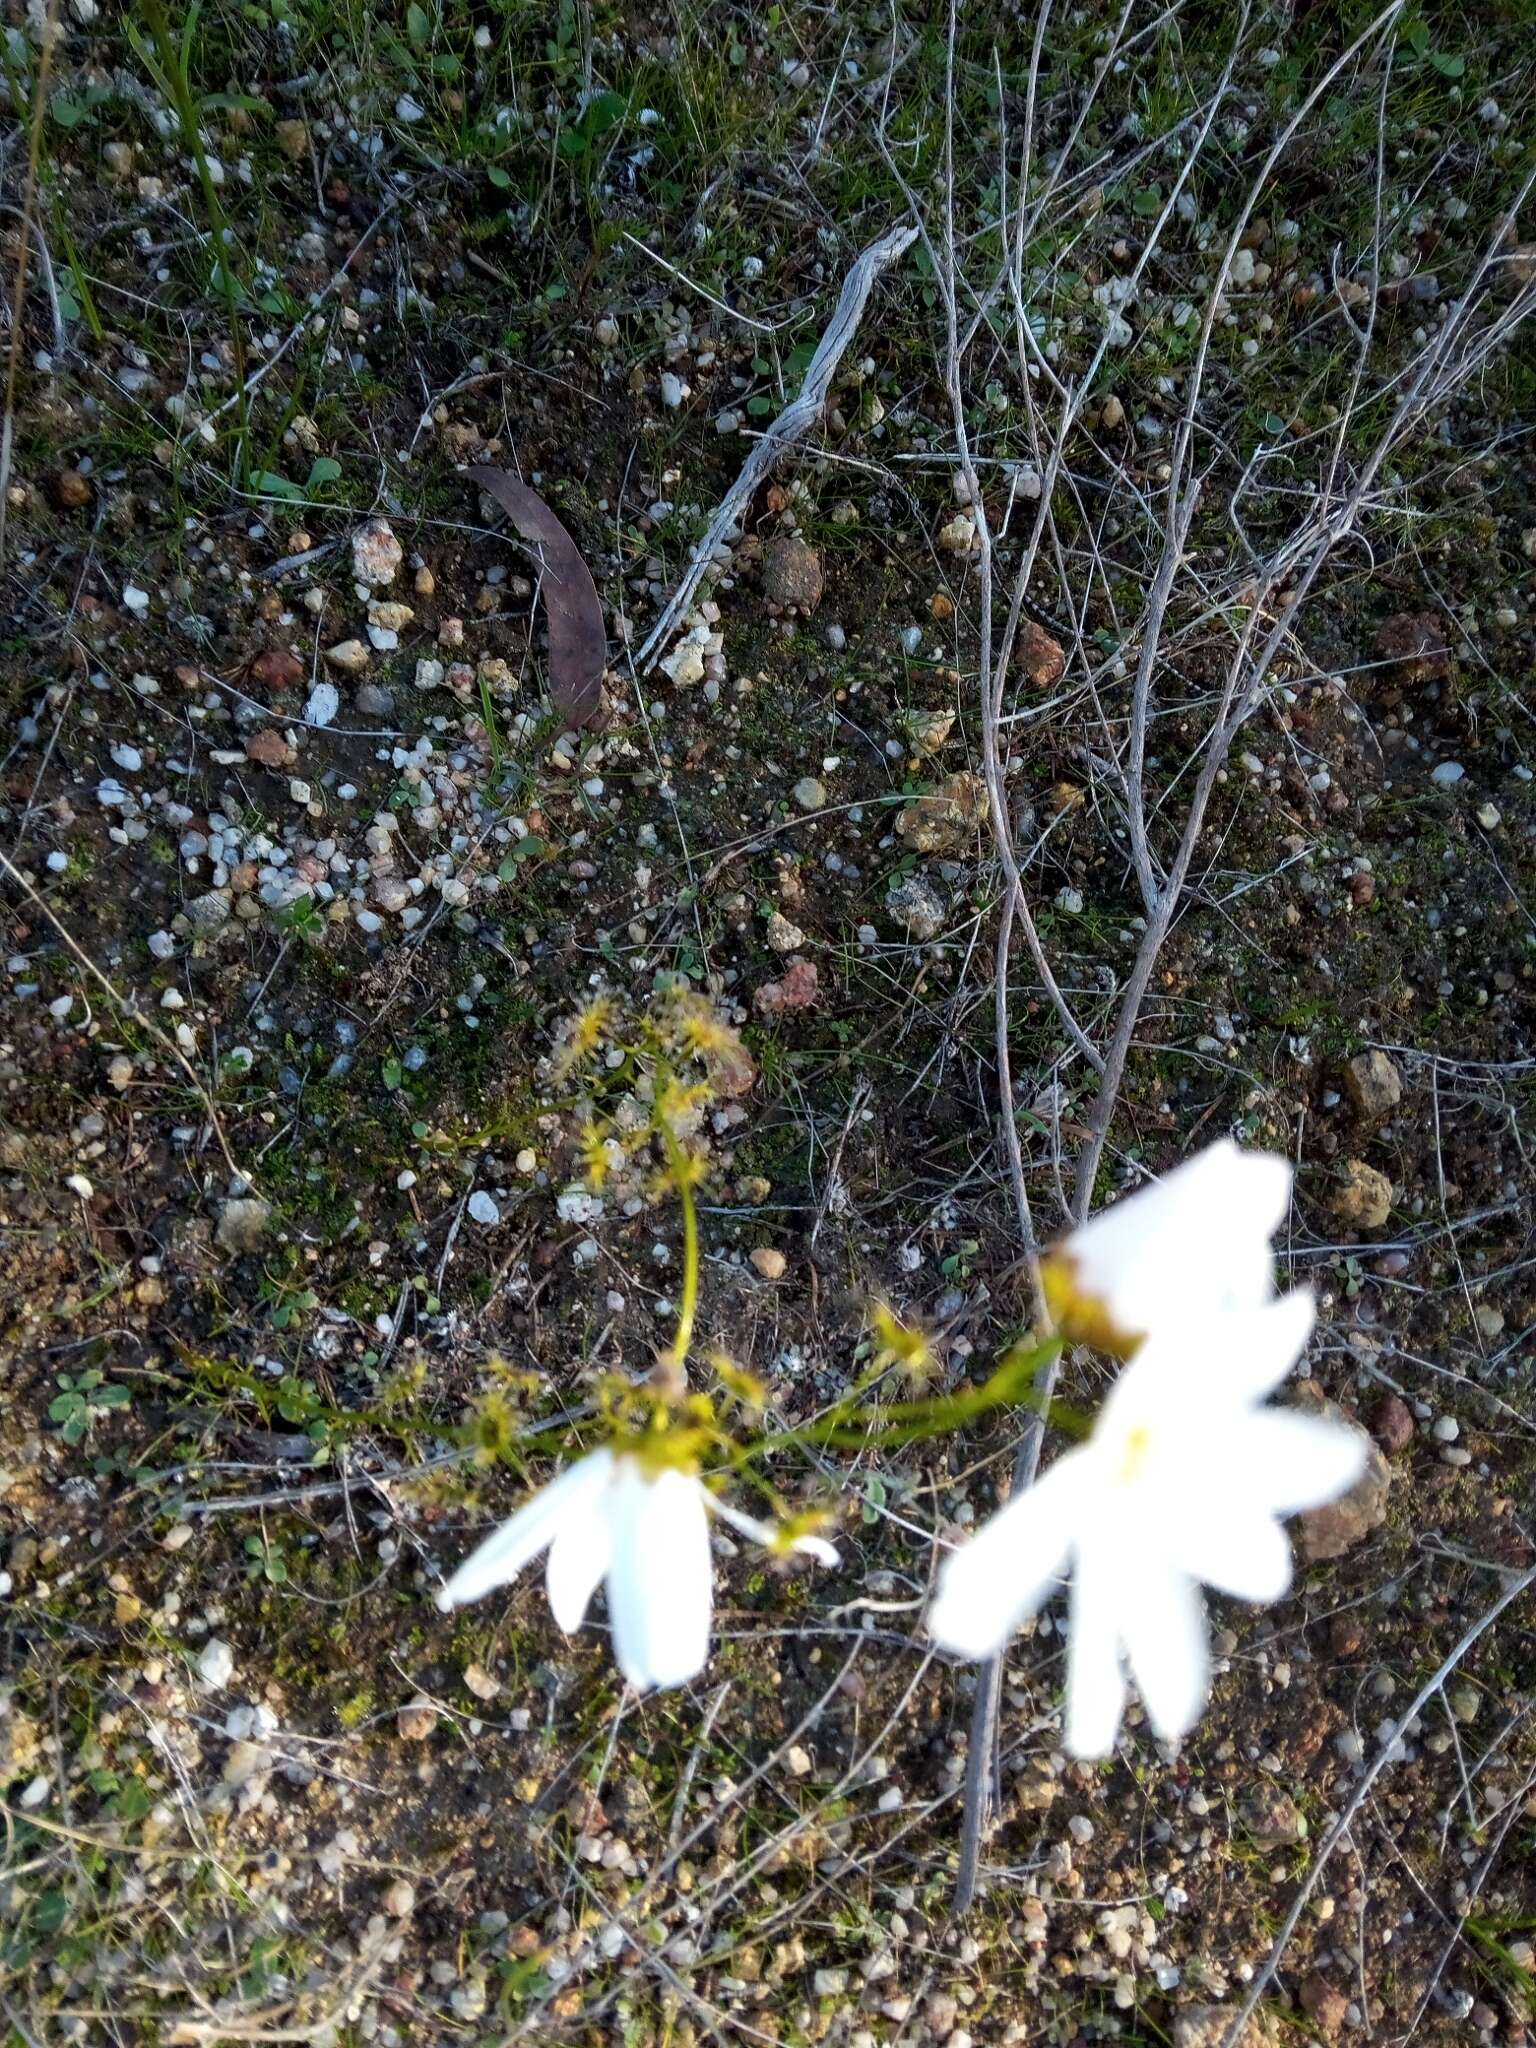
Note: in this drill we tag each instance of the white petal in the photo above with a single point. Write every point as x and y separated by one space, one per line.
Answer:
1197 1239
764 1533
744 1525
1187 1379
1233 1545
1297 1461
660 1582
1095 1681
1258 1349
578 1560
1164 1625
997 1580
504 1553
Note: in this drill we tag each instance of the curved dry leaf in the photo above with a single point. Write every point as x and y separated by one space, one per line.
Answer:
578 640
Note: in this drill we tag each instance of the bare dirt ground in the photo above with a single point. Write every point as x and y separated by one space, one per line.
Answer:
1121 700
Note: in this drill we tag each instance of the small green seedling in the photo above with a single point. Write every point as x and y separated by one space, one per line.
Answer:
85 1396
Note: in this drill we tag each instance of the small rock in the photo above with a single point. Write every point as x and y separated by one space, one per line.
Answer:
1489 1320
1324 2003
1346 1635
783 936
429 674
792 575
1363 1199
292 138
794 990
216 1664
277 668
1111 413
1447 774
483 1207
469 1999
810 794
1374 1084
1274 1820
928 730
685 664
1036 1789
480 1682
376 554
1465 1702
268 748
947 821
373 700
322 704
1042 659
1339 1526
350 656
72 491
416 1720
243 1224
1392 1423
918 907
770 1263
732 1071
208 914
958 535
1415 643
1207 2026
399 1899
800 1762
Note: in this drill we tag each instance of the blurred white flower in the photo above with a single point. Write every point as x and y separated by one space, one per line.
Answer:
1195 1243
1182 1481
644 1529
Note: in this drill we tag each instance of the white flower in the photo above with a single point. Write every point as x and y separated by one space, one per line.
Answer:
1196 1242
1183 1480
641 1527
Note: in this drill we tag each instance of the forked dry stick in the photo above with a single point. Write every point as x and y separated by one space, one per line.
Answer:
792 425
1448 360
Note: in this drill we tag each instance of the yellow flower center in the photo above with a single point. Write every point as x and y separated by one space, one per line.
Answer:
1138 1442
1082 1317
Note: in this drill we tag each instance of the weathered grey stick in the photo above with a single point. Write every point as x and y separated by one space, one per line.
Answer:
792 424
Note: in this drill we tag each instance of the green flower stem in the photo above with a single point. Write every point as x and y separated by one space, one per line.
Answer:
852 1427
674 1360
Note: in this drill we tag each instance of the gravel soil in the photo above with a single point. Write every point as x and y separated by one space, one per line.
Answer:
303 885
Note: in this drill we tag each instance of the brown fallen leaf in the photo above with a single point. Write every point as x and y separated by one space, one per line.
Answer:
578 640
